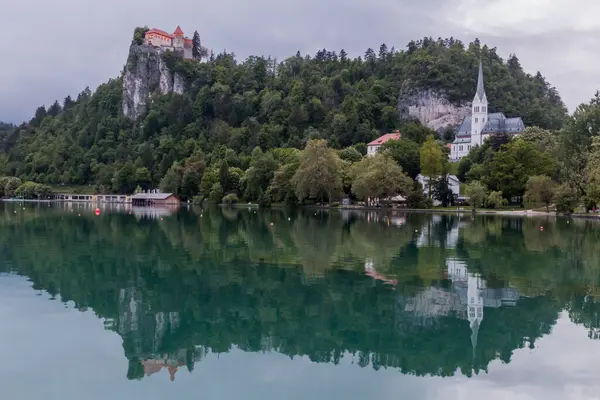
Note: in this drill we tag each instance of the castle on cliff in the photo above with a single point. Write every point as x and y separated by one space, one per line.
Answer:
474 130
170 41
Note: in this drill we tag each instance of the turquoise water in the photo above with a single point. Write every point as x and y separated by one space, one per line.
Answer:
232 304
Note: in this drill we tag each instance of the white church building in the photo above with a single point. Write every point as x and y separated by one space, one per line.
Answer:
474 130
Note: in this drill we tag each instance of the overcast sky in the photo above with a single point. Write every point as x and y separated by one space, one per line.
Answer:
50 49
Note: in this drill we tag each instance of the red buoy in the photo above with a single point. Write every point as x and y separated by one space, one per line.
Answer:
97 211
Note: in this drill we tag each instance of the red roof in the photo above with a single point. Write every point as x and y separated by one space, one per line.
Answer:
159 32
385 138
178 31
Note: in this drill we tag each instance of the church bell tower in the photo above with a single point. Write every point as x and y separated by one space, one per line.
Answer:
479 110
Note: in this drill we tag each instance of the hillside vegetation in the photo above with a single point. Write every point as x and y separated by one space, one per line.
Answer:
231 108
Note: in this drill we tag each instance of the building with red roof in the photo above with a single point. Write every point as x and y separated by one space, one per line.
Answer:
170 41
375 145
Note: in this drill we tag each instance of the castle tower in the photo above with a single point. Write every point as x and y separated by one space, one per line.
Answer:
479 110
178 38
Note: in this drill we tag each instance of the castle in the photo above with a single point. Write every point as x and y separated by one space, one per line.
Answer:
474 130
167 41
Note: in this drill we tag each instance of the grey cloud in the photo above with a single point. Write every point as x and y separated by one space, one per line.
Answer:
67 45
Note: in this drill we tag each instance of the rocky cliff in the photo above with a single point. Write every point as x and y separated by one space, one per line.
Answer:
146 73
431 108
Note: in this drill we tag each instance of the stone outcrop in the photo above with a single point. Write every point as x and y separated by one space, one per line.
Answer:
146 73
431 108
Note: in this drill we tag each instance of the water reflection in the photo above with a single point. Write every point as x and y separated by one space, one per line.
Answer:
424 294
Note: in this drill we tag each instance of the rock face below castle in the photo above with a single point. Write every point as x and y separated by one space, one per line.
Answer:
431 108
145 74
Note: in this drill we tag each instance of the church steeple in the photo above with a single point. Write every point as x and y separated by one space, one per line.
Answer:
480 95
479 110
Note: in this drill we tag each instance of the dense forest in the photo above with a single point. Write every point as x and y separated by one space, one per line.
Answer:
235 117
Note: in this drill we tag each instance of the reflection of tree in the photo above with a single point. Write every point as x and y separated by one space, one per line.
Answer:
205 283
585 310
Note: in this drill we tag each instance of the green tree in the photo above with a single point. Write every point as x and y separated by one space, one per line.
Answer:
216 193
350 154
318 175
379 177
406 154
540 189
196 46
495 200
565 198
442 191
11 186
432 160
476 193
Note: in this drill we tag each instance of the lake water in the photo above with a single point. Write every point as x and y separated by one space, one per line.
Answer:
245 304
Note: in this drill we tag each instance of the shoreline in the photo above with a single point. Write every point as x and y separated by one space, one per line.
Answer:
508 213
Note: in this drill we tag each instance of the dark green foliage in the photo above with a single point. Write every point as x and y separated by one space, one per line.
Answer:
139 34
231 107
440 191
406 154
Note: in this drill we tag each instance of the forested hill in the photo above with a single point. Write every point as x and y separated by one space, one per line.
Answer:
229 107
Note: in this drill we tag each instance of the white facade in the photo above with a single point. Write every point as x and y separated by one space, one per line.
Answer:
373 149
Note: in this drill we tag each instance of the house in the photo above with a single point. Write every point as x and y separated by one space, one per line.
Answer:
453 182
154 199
375 145
170 41
474 130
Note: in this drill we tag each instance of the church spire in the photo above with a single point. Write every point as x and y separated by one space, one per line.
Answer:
480 89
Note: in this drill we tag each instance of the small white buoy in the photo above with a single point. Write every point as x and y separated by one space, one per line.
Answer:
289 219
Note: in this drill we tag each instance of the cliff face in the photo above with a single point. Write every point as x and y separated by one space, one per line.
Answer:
145 74
431 108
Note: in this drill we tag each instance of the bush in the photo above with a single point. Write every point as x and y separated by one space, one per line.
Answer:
3 181
495 200
197 200
334 204
31 190
216 193
230 199
565 199
11 185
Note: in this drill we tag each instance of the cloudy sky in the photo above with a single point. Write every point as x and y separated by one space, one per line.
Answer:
50 49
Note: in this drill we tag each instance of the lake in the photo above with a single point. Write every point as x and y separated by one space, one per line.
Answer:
311 304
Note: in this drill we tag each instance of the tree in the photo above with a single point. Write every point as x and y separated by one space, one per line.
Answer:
224 175
540 189
350 154
318 175
495 200
476 193
196 46
432 160
11 186
406 154
565 198
379 177
442 191
216 193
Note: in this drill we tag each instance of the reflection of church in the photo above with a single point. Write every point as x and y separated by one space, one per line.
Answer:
466 299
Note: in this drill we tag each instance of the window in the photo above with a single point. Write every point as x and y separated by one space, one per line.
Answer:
476 108
469 147
475 119
460 148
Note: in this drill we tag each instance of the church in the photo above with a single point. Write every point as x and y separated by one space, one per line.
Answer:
474 130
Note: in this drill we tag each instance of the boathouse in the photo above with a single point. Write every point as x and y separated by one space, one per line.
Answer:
154 199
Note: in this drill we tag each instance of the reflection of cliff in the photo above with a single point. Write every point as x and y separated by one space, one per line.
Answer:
217 283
